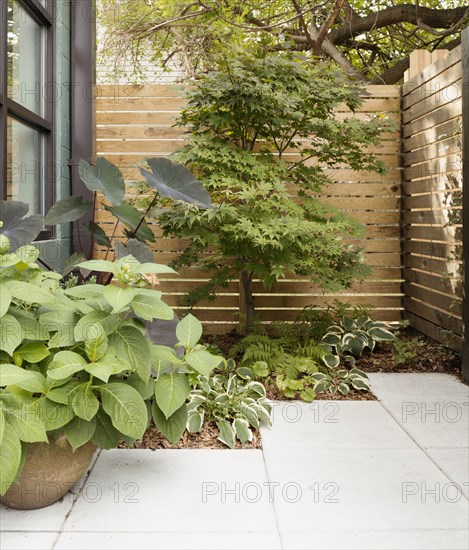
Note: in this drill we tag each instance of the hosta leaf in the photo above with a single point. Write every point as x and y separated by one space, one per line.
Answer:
171 392
343 388
176 182
68 210
243 432
79 431
189 331
85 404
331 361
10 458
125 407
173 427
227 433
195 420
202 361
104 177
379 334
360 384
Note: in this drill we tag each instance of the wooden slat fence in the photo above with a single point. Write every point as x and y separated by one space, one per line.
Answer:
432 200
134 122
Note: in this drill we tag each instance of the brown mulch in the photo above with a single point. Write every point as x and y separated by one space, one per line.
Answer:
429 356
206 439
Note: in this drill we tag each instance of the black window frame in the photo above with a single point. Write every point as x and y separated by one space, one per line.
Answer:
45 17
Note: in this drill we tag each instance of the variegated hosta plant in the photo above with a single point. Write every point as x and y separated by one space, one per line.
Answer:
77 360
236 403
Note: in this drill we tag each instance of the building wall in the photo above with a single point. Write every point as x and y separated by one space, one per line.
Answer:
56 252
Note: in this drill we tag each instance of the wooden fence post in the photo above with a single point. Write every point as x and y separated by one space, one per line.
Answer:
465 154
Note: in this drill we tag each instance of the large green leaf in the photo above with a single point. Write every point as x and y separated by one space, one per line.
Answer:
151 307
203 361
100 370
126 408
5 300
162 358
86 324
27 426
118 297
176 182
96 343
60 394
13 375
10 333
16 227
67 210
34 383
65 364
2 422
171 392
52 415
140 251
29 293
33 352
146 390
104 177
85 404
105 435
173 427
10 458
79 431
99 235
130 344
131 218
189 331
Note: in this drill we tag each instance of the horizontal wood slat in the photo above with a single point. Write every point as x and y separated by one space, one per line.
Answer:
134 122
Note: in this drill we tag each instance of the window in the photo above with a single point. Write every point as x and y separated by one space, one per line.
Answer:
26 114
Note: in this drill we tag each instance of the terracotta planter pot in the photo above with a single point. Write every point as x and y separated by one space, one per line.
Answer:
50 471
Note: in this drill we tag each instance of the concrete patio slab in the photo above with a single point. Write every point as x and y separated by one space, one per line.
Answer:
362 489
19 540
417 387
439 424
331 475
175 541
432 539
207 491
333 424
455 465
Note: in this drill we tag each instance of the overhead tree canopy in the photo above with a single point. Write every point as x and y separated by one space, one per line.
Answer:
370 39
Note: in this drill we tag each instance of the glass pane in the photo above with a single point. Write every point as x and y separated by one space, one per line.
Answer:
25 165
25 59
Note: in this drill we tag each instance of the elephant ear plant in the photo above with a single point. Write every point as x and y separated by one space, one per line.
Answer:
77 361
